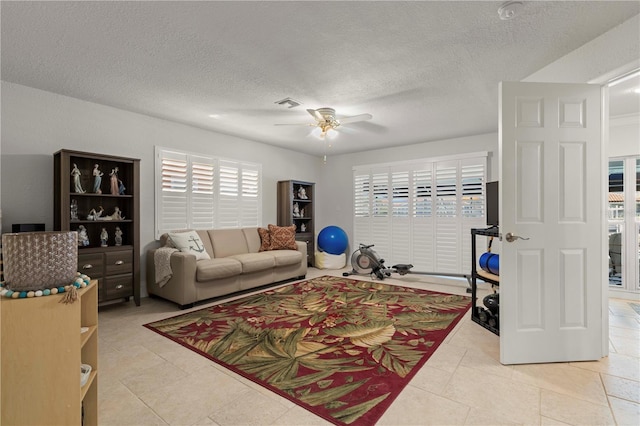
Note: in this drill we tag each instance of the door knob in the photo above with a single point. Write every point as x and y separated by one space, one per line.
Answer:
511 238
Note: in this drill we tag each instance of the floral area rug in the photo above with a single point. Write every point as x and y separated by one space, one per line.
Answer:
341 348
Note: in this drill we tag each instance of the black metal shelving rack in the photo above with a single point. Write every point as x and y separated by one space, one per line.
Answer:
494 280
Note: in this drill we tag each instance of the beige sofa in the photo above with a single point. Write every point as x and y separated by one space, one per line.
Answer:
236 264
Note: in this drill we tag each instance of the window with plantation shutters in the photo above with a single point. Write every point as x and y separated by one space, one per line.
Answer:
196 191
421 212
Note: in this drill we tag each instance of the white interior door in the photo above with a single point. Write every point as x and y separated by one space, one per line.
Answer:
552 167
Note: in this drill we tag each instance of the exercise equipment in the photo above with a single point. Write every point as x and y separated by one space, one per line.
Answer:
324 260
365 261
333 240
491 314
490 262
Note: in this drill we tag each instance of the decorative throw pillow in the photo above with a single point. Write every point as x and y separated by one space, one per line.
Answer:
265 239
283 237
189 242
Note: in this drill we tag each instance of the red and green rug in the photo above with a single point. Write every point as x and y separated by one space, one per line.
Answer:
341 348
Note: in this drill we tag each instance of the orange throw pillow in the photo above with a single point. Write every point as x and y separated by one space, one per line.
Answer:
265 239
283 237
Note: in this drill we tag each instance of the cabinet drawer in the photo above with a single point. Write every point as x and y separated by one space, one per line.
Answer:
118 286
119 262
91 264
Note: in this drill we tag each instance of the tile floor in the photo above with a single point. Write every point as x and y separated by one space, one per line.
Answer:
146 379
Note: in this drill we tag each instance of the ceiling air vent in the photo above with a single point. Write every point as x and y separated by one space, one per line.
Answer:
288 101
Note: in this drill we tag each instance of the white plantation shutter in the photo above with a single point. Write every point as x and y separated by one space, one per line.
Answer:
202 193
380 229
250 195
362 197
229 200
423 251
195 191
421 213
400 221
473 178
173 196
447 235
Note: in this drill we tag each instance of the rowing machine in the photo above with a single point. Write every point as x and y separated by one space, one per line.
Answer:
366 261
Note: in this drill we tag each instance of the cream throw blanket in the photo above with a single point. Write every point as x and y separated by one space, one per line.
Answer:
162 261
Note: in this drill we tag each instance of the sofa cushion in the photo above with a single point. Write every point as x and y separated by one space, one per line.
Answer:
214 269
189 242
265 239
285 257
253 239
254 262
228 242
283 237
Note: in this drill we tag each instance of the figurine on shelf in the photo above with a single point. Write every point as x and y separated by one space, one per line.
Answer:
301 213
95 214
121 187
117 215
74 209
296 210
302 193
118 236
114 181
104 237
303 228
83 238
75 172
97 179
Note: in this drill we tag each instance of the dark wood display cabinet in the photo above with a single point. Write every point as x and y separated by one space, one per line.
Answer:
479 313
106 214
295 207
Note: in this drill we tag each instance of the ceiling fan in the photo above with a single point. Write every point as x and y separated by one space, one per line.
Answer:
326 120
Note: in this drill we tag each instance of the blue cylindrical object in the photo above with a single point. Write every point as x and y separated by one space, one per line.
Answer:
333 240
490 262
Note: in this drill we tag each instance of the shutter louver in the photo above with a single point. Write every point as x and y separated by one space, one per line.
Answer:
202 193
472 191
380 200
362 196
422 220
473 177
251 200
229 201
400 222
173 197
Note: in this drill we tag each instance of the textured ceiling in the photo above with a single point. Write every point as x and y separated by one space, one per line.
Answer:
425 70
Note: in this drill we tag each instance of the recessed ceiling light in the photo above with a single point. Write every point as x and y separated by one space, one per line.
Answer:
509 10
636 90
214 115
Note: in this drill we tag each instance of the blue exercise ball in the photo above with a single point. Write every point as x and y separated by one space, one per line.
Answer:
333 240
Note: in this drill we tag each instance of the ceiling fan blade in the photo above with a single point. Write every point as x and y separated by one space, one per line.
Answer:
354 118
294 124
316 114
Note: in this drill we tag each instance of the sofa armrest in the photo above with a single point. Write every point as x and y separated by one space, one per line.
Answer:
302 248
181 287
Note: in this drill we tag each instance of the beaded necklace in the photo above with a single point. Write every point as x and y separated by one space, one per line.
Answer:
81 280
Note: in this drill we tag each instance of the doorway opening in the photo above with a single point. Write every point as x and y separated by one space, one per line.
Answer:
624 186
